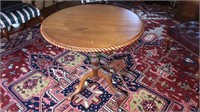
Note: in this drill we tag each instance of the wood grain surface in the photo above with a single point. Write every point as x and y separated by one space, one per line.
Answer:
92 28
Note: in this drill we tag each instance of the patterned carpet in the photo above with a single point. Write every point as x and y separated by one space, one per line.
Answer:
37 76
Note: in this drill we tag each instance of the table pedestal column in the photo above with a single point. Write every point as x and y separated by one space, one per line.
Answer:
97 72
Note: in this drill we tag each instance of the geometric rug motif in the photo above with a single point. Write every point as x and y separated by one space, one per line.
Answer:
144 100
27 89
71 60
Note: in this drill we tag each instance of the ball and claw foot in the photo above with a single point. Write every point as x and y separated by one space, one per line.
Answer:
71 96
121 95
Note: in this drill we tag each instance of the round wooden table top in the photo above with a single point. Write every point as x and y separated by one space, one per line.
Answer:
92 28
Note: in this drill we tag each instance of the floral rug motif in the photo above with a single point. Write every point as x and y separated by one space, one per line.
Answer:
37 76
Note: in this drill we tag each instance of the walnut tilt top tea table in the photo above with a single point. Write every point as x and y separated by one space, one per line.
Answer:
92 29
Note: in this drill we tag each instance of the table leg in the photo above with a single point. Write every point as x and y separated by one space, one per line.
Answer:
96 72
108 78
80 86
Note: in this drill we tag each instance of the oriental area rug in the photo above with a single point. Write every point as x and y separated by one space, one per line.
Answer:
38 76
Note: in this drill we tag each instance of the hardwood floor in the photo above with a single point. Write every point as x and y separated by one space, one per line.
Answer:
49 10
